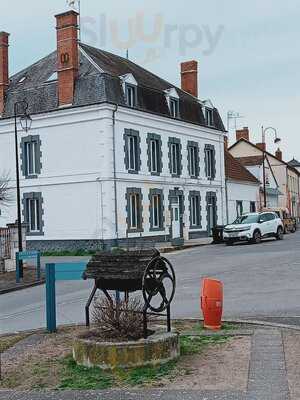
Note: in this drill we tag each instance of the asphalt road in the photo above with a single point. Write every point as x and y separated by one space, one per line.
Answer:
260 281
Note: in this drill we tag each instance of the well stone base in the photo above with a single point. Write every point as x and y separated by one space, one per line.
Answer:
159 348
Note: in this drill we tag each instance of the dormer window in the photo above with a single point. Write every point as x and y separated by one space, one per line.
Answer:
129 85
174 108
130 95
173 102
209 116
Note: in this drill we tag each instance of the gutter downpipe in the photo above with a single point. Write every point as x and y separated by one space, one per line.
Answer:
115 174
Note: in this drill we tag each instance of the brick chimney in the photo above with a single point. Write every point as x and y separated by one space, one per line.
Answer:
278 154
67 56
189 77
262 146
4 77
243 134
226 142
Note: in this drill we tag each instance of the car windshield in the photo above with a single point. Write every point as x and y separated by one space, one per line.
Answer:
246 219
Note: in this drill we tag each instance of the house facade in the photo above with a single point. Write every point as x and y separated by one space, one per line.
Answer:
277 172
115 154
242 189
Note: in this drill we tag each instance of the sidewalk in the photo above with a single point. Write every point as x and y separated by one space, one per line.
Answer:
273 374
188 244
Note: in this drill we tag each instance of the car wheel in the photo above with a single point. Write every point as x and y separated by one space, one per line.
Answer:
279 235
256 237
230 243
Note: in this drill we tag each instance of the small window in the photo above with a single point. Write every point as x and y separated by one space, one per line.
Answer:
239 208
132 147
132 150
33 213
252 206
195 211
134 210
156 210
193 160
31 156
130 95
174 108
154 159
209 117
174 159
210 162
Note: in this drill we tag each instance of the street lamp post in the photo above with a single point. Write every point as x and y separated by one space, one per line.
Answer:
25 122
277 140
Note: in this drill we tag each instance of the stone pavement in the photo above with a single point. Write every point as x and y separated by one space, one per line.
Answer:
267 379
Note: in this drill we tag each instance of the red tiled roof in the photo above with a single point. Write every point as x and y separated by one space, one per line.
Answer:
250 160
236 171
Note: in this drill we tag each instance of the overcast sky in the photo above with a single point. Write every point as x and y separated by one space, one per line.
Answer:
248 52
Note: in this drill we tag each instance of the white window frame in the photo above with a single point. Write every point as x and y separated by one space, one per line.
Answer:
209 116
209 162
132 152
156 208
174 158
33 215
130 95
134 210
193 160
194 211
31 158
174 107
154 155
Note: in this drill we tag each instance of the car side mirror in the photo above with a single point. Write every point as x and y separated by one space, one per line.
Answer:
260 221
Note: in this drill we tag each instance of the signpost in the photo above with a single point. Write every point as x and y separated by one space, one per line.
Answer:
59 272
28 255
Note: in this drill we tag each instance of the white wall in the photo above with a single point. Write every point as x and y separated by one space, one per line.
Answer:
77 182
245 192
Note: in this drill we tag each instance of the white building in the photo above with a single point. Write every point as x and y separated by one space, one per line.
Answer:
115 153
242 189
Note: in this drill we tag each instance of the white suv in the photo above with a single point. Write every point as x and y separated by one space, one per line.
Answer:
253 228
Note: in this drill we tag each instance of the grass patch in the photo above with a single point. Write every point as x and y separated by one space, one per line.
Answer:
75 377
81 378
9 341
190 345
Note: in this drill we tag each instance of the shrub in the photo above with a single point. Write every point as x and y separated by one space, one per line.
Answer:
121 320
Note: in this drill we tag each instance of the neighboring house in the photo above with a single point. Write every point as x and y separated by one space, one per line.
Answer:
277 171
295 164
242 189
115 153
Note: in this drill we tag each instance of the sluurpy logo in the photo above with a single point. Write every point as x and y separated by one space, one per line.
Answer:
153 33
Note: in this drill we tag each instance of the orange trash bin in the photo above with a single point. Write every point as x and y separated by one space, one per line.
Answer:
212 303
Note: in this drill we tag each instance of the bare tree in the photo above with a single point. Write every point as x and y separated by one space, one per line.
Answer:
5 194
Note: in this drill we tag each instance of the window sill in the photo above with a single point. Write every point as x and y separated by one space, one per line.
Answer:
34 233
31 176
160 229
131 171
140 230
155 173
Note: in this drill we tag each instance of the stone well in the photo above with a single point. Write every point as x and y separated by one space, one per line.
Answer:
158 348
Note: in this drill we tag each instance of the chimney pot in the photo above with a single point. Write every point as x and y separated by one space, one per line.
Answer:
262 146
4 70
67 55
278 154
243 134
189 77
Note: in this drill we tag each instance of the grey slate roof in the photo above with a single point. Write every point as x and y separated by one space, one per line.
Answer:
294 163
99 82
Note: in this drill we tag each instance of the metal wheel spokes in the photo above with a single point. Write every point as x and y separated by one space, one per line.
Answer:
159 284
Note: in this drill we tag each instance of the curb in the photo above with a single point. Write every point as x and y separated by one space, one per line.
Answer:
184 247
17 288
